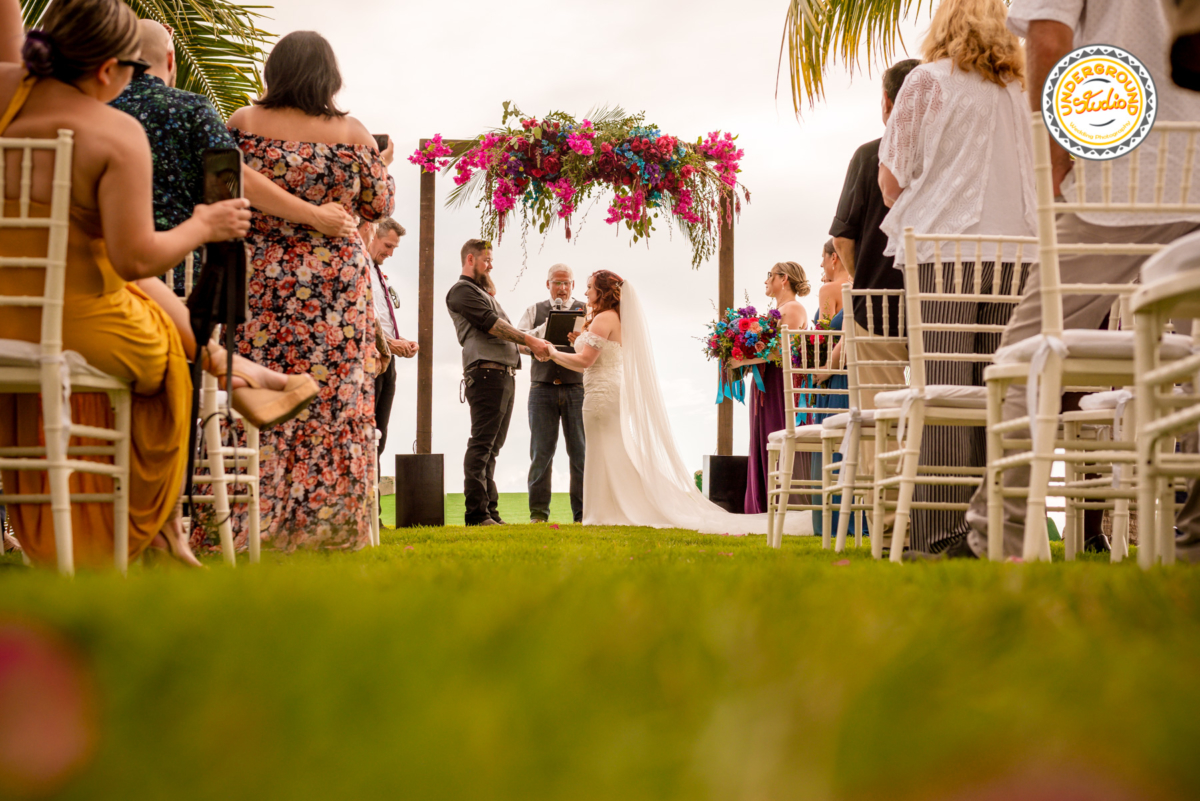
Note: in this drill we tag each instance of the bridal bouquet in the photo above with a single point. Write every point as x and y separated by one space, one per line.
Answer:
741 335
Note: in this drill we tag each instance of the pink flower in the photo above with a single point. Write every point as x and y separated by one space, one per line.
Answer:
580 145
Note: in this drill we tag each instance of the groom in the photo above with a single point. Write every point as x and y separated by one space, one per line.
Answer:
490 361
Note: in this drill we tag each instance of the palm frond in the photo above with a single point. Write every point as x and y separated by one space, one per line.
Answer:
818 32
218 45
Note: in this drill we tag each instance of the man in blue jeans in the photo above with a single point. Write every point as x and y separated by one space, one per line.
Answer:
555 395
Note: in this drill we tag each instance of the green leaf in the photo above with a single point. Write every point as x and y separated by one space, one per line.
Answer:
817 33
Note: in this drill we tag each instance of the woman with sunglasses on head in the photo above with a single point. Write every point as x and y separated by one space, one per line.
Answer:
117 313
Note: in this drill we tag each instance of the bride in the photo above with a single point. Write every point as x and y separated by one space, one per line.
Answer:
632 473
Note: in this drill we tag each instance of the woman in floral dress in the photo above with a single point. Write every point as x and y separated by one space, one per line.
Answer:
310 308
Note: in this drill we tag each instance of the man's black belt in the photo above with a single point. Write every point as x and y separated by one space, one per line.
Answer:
493 366
558 382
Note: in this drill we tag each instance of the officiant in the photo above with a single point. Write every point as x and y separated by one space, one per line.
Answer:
555 398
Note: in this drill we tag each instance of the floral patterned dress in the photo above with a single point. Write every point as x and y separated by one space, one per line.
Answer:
311 312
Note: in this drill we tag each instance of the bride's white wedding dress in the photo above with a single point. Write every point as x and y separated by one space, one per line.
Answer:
632 473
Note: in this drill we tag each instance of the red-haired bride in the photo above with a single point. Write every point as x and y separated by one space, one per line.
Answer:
632 473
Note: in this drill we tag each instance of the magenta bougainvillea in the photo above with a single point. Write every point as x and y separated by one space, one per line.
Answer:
545 169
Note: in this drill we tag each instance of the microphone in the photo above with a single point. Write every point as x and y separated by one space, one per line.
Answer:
557 303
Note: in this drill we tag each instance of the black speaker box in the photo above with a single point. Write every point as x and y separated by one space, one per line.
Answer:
725 482
420 490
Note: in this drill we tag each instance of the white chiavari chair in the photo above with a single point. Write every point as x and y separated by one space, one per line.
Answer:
785 492
980 271
45 368
857 488
226 467
1167 394
1059 359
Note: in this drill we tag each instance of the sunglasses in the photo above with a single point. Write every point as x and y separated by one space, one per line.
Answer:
139 66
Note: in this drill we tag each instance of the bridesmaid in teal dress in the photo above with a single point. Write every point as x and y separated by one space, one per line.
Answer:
834 275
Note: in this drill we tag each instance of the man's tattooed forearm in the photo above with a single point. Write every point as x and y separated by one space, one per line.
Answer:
504 330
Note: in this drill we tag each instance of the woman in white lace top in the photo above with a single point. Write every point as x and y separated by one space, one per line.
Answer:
957 158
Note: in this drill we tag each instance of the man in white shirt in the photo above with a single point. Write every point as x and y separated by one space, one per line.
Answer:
555 397
1053 28
382 246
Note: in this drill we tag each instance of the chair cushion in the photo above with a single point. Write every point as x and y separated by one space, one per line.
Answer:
19 353
947 396
1099 401
842 420
1082 344
1181 255
812 432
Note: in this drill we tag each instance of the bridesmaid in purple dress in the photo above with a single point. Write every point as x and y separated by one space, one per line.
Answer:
785 283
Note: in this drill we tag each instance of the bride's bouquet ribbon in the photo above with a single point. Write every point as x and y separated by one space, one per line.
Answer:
730 387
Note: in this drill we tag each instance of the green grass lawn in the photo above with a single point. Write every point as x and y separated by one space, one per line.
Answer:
535 662
514 508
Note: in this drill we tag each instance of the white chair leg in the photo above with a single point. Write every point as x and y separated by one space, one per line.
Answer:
994 477
1070 518
123 406
878 515
253 511
216 468
787 458
772 497
826 494
849 477
1037 538
912 454
1165 546
1146 329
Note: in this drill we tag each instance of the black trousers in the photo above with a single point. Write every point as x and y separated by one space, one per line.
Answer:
385 393
490 394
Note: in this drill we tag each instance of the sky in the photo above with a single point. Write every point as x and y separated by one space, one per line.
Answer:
692 67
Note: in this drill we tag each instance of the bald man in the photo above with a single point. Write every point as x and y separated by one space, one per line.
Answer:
180 125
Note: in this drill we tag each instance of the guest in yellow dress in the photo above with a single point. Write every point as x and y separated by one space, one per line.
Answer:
117 313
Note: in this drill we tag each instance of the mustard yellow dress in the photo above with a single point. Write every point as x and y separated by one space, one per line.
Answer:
119 330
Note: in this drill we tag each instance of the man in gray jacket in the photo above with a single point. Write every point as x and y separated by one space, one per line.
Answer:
490 361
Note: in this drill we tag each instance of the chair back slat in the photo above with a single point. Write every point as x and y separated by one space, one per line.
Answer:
1134 168
980 286
54 260
802 390
1189 163
1173 172
1174 143
1160 173
856 339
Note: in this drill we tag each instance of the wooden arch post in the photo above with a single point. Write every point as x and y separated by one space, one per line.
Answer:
425 303
724 301
425 299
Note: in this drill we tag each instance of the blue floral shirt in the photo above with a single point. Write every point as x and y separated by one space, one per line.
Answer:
179 125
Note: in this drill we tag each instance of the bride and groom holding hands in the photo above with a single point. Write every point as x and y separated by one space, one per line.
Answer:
633 474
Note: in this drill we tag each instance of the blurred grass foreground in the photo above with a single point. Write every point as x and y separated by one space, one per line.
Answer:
569 662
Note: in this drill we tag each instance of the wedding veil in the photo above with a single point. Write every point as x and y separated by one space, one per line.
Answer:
646 431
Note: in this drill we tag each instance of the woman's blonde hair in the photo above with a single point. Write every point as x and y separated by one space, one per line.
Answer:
795 276
973 35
